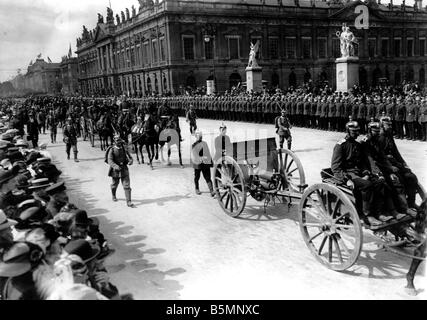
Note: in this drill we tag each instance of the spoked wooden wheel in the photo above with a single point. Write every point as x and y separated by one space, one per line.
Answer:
290 166
330 226
229 186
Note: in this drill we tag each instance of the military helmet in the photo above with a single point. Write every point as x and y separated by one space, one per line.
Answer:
352 126
374 126
385 119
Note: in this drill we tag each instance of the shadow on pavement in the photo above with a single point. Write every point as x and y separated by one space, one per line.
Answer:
129 267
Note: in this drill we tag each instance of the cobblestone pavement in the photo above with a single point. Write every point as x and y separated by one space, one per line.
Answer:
177 245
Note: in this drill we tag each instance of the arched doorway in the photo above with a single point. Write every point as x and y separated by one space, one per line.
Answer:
292 80
376 75
307 77
397 77
235 79
363 77
275 81
422 76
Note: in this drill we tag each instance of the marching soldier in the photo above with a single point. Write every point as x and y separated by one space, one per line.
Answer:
118 158
283 129
70 138
192 119
52 123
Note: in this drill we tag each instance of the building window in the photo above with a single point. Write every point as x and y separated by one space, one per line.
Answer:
422 47
372 47
188 45
162 49
290 43
146 53
132 56
397 47
209 47
138 55
410 47
336 48
322 47
155 50
274 47
234 48
384 47
306 48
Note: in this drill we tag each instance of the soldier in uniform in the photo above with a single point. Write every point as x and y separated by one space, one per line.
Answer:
202 163
422 119
350 166
52 124
70 138
318 112
399 117
299 112
399 166
307 112
118 159
332 114
192 119
339 115
370 110
411 115
324 115
283 129
361 116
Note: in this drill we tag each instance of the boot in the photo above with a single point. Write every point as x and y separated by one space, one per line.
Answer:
75 158
113 192
289 145
68 156
128 194
198 192
213 194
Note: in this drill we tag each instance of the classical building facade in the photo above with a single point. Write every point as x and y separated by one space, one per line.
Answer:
69 75
168 45
43 77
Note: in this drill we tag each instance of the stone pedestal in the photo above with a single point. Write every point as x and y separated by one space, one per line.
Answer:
254 79
347 73
210 87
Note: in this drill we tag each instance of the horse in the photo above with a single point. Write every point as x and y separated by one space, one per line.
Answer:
138 140
151 132
105 131
170 136
420 251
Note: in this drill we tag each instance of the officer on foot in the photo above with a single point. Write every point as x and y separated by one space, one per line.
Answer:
202 163
70 138
118 159
283 127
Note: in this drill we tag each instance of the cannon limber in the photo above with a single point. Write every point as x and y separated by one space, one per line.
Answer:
329 214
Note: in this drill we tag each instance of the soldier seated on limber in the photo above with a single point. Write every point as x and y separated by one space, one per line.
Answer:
350 166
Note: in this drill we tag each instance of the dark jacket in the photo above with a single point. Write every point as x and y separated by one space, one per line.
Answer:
118 160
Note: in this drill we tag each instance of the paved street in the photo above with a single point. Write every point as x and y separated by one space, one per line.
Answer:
177 245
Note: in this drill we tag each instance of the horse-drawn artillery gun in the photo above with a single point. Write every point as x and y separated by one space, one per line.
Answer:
329 214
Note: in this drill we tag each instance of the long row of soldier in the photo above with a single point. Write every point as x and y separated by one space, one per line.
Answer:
49 248
409 114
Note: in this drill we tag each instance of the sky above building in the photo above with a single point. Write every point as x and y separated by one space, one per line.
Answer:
31 27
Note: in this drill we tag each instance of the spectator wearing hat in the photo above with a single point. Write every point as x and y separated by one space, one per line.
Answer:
70 138
6 235
98 277
17 265
33 130
58 198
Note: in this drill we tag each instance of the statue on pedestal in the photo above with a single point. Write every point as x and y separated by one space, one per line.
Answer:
127 14
252 55
100 18
123 18
118 19
347 40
